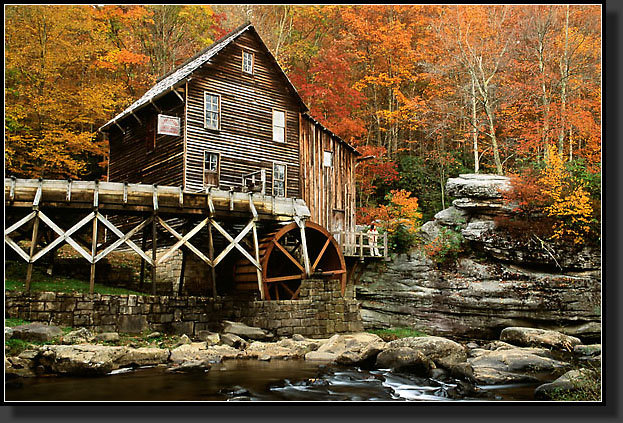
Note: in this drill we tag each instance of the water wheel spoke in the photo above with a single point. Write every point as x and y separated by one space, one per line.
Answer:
324 248
288 255
284 278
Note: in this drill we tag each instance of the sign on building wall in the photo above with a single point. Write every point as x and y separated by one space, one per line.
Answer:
168 125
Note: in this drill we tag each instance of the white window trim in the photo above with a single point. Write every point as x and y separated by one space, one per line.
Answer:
285 179
285 131
250 53
205 111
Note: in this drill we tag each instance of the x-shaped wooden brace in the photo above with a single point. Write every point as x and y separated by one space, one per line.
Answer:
183 240
123 239
15 226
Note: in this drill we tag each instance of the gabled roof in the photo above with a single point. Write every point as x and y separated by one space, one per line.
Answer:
179 75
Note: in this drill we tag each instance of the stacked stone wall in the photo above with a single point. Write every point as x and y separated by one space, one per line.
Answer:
321 311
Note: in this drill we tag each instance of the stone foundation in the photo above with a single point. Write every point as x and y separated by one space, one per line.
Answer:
321 311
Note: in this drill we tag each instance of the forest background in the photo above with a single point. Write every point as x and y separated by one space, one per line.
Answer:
424 92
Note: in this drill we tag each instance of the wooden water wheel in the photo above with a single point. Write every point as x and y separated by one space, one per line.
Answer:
282 258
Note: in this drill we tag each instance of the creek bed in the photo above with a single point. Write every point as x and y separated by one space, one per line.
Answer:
252 380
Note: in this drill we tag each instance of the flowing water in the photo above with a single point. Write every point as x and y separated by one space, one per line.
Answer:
250 380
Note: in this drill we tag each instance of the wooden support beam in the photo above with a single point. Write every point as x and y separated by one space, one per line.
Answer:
211 257
324 248
180 287
301 224
154 235
183 240
94 237
143 245
35 234
257 257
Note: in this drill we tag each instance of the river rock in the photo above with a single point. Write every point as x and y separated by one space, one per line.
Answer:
587 350
569 382
18 367
79 336
210 337
531 337
246 332
199 351
144 356
233 341
38 332
405 359
353 349
81 359
512 365
443 352
108 337
190 366
284 349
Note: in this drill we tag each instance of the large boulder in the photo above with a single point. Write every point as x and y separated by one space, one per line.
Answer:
478 186
452 217
405 359
508 364
442 351
92 360
199 351
349 349
573 380
38 332
285 349
531 337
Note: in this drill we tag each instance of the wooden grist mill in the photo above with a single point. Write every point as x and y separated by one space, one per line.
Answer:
219 160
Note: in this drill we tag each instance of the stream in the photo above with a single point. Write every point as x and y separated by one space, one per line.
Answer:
252 380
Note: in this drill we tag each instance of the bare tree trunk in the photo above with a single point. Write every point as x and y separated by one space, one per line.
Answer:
564 76
475 128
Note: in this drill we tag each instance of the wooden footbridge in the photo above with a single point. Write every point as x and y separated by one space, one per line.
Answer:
290 248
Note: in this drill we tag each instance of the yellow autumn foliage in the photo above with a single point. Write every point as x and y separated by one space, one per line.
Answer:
569 204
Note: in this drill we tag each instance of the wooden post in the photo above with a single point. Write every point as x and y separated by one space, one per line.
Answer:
35 235
153 254
211 257
181 284
94 237
361 246
153 240
257 258
93 254
304 246
143 246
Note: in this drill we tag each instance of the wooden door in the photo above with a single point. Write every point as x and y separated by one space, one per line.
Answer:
211 169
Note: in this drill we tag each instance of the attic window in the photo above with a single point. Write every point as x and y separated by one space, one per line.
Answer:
247 62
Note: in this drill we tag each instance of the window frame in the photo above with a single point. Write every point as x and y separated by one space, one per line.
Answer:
324 159
252 55
285 179
285 126
205 111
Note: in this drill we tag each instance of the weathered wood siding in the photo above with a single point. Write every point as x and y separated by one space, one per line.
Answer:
244 140
130 159
329 192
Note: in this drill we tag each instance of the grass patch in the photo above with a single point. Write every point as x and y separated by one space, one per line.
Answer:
585 388
396 333
42 282
9 322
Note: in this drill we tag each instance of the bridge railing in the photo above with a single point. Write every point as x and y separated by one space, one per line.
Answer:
361 244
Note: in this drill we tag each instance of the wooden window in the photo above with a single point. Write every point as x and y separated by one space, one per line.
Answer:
279 126
212 104
327 159
247 62
211 168
279 180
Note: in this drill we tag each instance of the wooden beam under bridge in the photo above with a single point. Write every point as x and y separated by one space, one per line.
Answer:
149 203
